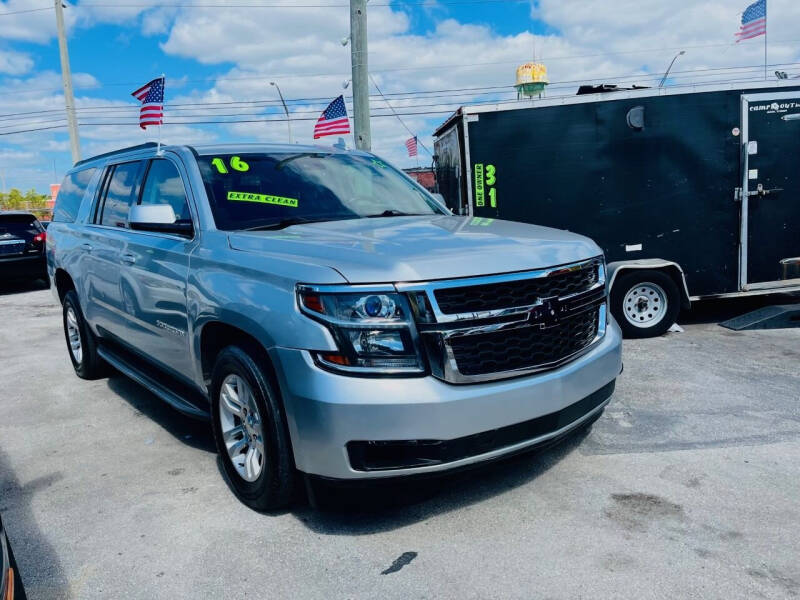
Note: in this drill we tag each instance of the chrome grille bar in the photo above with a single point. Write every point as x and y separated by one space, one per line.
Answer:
438 330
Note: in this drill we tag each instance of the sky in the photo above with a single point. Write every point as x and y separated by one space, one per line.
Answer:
425 56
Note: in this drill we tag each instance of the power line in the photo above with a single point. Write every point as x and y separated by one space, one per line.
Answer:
281 119
278 120
242 105
27 10
273 5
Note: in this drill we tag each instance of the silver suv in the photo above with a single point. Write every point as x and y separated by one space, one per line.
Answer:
327 314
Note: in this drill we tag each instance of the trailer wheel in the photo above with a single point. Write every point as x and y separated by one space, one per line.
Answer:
645 302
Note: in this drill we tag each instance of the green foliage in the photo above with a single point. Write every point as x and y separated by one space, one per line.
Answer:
30 201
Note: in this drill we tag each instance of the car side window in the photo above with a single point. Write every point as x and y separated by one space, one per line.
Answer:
122 186
164 185
70 195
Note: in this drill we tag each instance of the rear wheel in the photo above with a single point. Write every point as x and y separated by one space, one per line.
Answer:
250 431
81 342
644 302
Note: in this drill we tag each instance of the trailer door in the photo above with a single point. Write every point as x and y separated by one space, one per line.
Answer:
770 231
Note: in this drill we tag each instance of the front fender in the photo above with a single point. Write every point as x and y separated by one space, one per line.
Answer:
263 304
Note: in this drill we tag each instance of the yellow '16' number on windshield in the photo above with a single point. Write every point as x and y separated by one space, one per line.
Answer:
237 164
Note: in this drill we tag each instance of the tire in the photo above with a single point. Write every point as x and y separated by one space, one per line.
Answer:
245 403
644 302
81 342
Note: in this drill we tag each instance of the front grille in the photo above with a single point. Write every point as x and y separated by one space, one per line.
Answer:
523 347
522 292
509 325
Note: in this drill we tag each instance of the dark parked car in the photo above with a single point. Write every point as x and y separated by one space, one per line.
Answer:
10 582
22 246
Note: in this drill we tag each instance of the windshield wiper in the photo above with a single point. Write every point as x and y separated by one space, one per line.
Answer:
396 213
285 223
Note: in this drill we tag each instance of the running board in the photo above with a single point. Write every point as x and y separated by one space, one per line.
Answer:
175 400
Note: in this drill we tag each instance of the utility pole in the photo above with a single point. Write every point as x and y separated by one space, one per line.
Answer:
358 57
66 76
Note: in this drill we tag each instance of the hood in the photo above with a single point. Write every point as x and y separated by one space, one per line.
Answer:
395 249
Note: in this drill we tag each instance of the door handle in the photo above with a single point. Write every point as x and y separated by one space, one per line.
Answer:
128 258
87 247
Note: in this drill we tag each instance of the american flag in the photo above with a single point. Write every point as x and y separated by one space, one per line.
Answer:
754 21
333 120
151 96
411 146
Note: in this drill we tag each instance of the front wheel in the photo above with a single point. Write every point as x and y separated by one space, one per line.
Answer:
250 431
644 302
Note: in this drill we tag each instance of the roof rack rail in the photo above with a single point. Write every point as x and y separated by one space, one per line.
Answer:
120 151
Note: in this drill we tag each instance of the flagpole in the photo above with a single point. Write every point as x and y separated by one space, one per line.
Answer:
163 102
766 22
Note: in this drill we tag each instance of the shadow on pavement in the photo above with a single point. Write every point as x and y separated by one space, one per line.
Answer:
41 571
716 311
193 433
378 506
20 287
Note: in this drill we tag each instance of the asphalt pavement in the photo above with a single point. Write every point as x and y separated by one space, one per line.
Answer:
687 487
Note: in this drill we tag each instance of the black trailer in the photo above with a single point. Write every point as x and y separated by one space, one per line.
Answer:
692 192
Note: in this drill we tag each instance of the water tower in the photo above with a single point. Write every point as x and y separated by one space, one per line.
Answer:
531 80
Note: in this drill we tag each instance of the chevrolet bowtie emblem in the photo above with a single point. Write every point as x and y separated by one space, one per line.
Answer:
547 313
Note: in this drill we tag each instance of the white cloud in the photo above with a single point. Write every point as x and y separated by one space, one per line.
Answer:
14 63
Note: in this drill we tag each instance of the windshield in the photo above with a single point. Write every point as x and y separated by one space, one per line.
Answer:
251 191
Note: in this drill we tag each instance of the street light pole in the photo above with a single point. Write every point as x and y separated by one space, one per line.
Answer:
66 76
664 78
286 110
358 58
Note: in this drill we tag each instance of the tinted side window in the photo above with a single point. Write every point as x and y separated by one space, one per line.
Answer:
121 191
71 194
164 186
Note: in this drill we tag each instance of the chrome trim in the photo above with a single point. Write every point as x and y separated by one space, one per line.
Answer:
344 288
429 288
434 336
451 374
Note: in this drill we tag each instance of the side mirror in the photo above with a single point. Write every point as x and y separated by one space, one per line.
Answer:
157 217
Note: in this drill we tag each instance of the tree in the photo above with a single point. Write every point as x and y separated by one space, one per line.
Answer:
31 201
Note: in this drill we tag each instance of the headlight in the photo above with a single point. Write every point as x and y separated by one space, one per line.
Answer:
373 329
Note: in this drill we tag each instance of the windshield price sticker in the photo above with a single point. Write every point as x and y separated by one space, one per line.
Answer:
262 199
485 179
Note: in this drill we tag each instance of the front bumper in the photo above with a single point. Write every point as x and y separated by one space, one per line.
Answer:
326 411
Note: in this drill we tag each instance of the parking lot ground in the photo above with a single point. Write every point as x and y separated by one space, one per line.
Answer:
687 487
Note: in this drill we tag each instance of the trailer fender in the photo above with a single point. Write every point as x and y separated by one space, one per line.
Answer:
671 268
